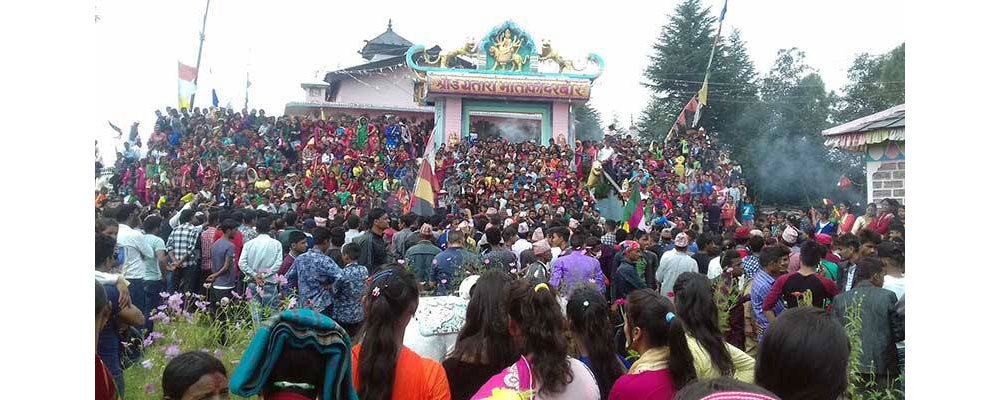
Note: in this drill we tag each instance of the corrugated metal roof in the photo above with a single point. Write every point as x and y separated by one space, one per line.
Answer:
894 117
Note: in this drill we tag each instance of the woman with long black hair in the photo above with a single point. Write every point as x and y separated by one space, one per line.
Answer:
591 328
696 307
544 367
484 346
383 368
665 364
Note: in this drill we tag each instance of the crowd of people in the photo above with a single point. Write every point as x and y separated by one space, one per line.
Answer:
709 296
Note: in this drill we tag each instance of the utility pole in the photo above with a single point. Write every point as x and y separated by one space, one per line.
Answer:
201 43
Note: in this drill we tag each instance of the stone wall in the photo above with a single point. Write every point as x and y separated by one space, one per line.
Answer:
886 179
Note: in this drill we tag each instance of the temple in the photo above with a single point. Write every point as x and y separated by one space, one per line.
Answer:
881 138
503 85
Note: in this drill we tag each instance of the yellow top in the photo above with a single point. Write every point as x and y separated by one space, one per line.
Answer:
705 370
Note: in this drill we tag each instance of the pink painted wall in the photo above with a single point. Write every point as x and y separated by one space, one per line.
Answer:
391 88
453 119
560 122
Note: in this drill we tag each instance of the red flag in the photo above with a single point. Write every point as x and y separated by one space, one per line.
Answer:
844 182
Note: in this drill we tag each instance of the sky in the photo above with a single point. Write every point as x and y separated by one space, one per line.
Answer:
283 44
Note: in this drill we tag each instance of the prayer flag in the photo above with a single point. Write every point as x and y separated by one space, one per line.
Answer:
689 114
722 15
827 202
844 182
186 75
424 197
633 209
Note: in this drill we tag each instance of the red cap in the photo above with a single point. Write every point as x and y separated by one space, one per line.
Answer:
742 233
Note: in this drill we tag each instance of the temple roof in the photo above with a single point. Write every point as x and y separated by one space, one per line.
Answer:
433 52
389 43
886 125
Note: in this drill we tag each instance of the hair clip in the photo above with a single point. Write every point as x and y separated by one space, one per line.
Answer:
380 275
285 385
541 285
376 291
670 316
586 303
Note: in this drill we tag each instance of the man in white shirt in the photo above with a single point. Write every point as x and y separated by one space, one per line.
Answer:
353 223
892 259
136 250
260 261
522 243
672 266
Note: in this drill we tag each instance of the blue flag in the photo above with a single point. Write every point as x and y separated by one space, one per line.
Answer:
215 99
723 14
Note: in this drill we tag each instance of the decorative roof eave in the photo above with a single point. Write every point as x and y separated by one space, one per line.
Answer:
856 141
376 107
868 123
591 57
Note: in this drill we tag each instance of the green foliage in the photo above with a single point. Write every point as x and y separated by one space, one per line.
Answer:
877 82
182 332
857 386
677 71
769 124
587 122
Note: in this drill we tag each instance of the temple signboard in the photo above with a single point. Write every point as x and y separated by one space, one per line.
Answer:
508 86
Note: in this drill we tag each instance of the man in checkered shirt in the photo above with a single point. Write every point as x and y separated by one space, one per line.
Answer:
181 246
609 237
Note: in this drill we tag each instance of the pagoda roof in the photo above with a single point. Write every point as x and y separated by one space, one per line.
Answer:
341 74
389 43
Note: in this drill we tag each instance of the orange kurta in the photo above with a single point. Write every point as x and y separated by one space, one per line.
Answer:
417 378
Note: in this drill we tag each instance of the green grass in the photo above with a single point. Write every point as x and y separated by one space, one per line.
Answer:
189 332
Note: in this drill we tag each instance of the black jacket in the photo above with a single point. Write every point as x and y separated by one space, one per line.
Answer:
881 326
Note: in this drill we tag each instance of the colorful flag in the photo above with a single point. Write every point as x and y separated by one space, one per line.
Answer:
186 75
844 182
689 114
827 202
424 197
634 209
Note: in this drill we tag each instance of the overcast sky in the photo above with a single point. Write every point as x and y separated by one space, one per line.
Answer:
282 44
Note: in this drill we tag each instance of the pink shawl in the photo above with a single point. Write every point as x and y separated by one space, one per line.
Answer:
516 377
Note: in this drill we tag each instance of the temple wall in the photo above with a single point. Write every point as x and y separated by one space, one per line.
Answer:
391 88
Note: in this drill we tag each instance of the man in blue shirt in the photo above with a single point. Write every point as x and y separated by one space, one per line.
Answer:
447 262
747 213
316 274
108 340
774 261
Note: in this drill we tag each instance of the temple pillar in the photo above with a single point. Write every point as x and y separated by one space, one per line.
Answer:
560 123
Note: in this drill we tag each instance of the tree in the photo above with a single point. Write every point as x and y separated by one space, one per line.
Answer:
786 159
587 122
877 82
677 69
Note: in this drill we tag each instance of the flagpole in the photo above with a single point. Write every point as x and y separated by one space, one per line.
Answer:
711 56
201 44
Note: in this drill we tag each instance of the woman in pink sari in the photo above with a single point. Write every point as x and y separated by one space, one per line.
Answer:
665 362
544 367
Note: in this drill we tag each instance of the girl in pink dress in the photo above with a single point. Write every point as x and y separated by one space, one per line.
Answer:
665 363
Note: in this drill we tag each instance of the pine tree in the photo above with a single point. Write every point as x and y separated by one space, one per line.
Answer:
677 70
587 122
